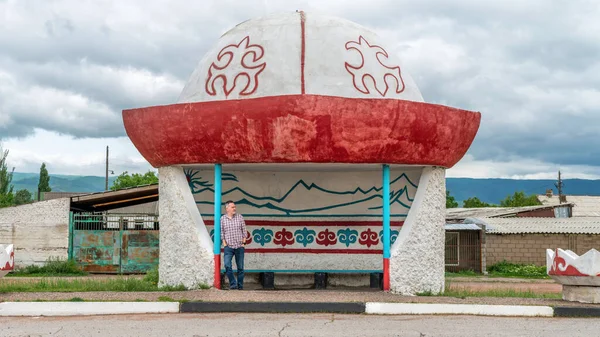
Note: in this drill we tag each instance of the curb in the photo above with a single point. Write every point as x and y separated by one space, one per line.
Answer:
458 309
576 312
370 308
85 308
274 307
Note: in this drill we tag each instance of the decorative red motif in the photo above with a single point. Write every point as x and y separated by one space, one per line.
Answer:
283 238
243 58
326 238
560 267
369 54
10 264
302 50
248 238
368 238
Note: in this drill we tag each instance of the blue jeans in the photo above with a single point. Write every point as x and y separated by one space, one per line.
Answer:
239 263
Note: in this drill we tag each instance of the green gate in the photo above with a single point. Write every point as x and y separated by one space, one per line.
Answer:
114 243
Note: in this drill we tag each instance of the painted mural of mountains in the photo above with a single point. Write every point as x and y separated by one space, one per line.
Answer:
315 199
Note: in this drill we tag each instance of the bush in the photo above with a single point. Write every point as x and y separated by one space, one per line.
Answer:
506 268
152 276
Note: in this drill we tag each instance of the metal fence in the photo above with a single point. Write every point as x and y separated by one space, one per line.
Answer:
463 251
114 243
106 221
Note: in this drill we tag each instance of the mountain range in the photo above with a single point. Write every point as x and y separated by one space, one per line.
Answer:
487 190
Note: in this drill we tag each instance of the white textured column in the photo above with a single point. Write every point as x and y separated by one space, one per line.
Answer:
185 245
417 256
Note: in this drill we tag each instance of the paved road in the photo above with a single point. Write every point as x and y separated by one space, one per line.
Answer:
295 325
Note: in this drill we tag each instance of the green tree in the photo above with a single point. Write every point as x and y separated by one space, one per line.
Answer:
450 201
126 180
474 202
22 197
6 188
519 199
44 183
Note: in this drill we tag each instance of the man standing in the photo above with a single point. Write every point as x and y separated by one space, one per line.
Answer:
233 237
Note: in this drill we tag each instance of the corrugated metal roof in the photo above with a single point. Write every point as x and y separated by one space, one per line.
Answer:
461 227
540 225
490 212
583 205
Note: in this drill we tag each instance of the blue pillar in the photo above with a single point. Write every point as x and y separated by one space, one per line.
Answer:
386 226
217 227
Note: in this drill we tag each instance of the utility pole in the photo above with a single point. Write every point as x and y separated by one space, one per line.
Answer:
559 186
106 180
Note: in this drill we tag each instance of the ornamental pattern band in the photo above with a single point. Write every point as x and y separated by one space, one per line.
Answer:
307 238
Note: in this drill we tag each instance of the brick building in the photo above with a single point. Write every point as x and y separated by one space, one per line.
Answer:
525 240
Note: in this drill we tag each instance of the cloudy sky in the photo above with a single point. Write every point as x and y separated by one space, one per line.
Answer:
68 69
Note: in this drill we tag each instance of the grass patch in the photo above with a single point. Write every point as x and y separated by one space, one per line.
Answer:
464 293
83 285
52 267
152 276
77 299
508 269
463 273
203 286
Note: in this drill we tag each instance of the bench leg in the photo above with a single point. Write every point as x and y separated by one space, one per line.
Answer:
320 280
376 280
267 280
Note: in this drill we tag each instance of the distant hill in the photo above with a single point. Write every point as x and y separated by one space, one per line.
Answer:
488 190
61 183
494 190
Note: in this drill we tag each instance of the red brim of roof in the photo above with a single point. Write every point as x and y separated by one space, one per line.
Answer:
302 129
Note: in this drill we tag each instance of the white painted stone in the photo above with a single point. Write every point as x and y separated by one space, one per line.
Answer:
457 309
328 47
7 259
185 246
85 308
583 294
38 231
417 256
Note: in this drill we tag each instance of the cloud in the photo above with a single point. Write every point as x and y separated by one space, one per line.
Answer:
532 68
87 158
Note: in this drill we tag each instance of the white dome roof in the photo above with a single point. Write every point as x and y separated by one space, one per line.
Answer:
299 53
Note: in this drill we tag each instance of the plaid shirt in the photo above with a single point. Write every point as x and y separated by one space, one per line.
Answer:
233 230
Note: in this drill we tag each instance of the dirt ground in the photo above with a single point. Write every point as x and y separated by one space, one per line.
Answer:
332 294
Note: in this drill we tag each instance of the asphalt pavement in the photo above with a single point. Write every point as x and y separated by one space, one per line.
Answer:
241 324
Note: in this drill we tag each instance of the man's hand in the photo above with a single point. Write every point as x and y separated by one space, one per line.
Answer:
224 243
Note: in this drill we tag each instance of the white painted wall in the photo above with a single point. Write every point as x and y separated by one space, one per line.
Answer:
329 46
185 247
417 256
303 204
38 231
279 37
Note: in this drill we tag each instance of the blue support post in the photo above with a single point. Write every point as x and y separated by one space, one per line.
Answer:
386 226
217 227
71 234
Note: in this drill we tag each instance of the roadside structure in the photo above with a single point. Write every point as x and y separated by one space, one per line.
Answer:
324 142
